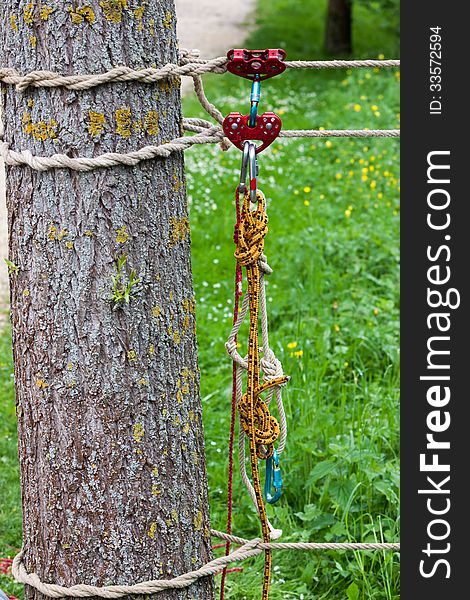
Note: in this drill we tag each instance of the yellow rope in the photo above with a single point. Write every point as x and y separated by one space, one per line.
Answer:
262 429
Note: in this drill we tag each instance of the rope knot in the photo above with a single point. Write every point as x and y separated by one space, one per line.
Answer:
271 366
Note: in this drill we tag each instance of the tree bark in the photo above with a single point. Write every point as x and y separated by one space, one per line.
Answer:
338 27
110 433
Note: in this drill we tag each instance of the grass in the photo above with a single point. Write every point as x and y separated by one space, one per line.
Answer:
333 305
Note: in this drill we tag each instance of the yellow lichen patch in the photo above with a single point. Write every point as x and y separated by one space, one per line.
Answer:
45 12
186 322
156 491
156 311
152 530
143 381
96 123
177 182
168 20
113 9
30 103
62 233
172 294
41 384
14 22
174 335
195 457
123 122
155 471
151 122
139 15
198 521
131 355
33 40
138 432
174 516
176 420
191 415
189 305
179 230
89 233
83 13
69 245
69 366
40 130
26 293
152 27
28 13
51 232
186 428
122 235
167 85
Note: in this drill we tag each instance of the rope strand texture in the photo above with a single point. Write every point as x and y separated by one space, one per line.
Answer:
189 67
248 549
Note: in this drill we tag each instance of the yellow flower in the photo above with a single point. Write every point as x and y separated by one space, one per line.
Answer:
381 56
365 170
306 203
373 185
377 113
339 176
336 327
363 98
321 129
298 353
307 189
322 196
364 178
328 143
380 195
374 107
281 112
350 173
296 192
357 107
347 213
376 311
292 345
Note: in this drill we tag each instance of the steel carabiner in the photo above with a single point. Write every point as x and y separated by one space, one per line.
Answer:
249 166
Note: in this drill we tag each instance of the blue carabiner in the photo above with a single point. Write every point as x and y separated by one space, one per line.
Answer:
273 471
254 99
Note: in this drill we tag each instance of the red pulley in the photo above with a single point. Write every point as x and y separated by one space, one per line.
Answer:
248 63
267 128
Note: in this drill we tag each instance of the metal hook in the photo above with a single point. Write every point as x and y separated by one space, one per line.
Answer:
249 164
273 471
253 172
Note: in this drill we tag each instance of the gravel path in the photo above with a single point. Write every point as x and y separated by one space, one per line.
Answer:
211 26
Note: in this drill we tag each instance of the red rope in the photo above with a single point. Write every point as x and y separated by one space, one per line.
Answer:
237 294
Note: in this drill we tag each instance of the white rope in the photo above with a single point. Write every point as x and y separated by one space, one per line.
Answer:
189 66
248 549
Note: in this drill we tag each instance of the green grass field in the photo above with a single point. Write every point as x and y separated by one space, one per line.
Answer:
333 300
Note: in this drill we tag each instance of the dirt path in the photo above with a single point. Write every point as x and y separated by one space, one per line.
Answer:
211 26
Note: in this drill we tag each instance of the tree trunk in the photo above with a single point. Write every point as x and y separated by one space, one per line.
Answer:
338 27
109 417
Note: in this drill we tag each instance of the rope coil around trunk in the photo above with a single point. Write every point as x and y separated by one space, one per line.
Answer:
248 549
